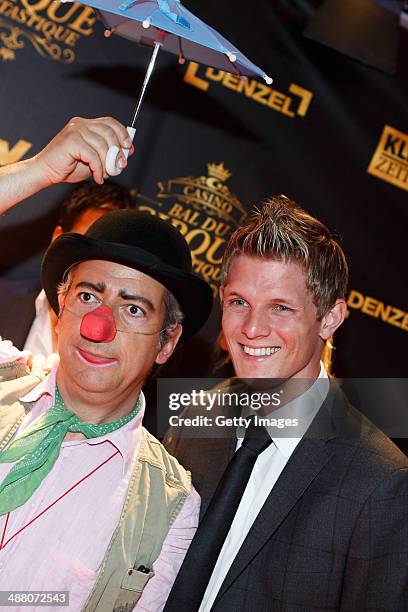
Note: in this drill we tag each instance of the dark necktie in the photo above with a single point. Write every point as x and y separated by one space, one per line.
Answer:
195 573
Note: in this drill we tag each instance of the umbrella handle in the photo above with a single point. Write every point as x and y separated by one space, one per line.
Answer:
110 161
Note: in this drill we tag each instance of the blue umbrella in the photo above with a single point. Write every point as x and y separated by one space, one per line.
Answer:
167 24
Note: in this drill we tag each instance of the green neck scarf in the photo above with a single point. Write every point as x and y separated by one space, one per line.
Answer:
38 447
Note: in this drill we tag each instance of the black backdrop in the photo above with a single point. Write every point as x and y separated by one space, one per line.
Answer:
206 152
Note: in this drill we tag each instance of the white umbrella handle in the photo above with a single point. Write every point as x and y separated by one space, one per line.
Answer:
110 162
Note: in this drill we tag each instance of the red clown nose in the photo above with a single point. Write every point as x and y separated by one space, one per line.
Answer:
99 325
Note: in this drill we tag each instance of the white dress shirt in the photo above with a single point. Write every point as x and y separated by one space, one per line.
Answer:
264 475
40 336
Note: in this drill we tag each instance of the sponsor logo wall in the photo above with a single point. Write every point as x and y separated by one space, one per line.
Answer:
209 147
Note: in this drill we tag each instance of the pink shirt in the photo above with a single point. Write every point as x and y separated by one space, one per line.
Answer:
63 549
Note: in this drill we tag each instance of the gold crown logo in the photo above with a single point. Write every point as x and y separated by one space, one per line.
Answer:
219 172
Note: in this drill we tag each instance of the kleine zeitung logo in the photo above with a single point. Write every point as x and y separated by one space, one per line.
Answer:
390 160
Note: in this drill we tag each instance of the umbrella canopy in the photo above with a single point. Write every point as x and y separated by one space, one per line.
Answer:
169 25
185 34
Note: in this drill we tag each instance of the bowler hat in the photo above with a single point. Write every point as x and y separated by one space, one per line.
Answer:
141 241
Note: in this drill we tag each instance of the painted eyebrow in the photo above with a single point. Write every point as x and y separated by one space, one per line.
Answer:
123 293
98 287
136 298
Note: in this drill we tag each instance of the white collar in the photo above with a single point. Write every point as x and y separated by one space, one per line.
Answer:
303 408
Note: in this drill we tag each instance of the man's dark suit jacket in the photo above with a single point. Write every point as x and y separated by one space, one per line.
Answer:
333 533
17 309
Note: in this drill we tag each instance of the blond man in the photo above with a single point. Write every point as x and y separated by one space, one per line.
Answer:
319 519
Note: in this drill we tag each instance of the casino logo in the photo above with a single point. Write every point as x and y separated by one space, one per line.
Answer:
52 28
204 210
390 160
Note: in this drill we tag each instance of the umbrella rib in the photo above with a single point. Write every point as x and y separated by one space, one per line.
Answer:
181 54
235 68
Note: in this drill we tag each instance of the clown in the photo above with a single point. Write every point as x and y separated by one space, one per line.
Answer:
90 502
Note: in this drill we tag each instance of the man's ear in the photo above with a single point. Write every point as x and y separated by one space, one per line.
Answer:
168 348
333 318
61 302
221 294
57 232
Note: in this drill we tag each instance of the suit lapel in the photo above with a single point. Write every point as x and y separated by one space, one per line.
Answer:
218 451
308 459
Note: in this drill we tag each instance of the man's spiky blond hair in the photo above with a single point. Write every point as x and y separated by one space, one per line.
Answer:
281 230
